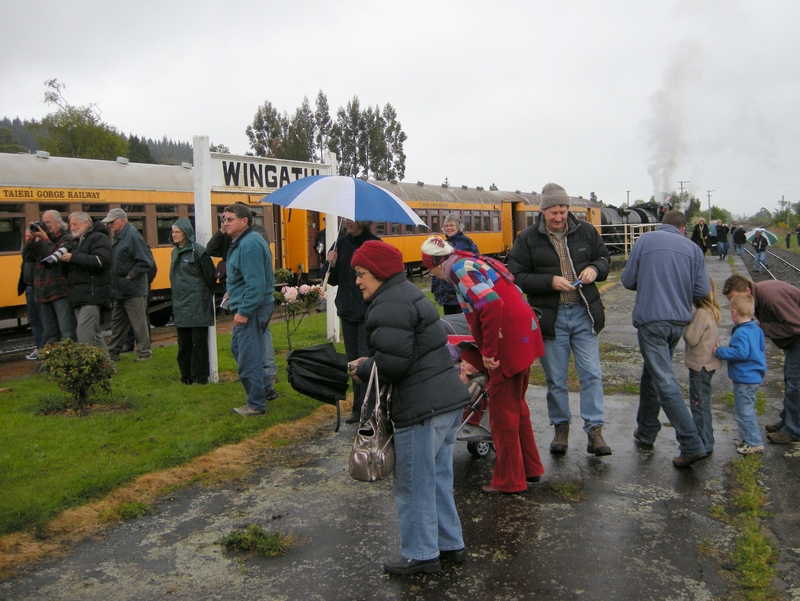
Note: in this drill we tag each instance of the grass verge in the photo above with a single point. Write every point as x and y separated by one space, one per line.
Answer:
753 553
152 434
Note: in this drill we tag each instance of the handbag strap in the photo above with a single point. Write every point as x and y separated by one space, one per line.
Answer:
381 393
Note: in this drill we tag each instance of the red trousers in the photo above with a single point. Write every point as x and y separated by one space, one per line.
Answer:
512 434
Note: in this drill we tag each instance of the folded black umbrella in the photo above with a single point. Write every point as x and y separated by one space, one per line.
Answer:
320 373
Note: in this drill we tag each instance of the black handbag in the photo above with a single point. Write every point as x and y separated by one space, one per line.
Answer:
372 456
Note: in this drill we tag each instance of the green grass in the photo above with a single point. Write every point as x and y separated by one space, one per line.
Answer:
753 552
50 462
255 541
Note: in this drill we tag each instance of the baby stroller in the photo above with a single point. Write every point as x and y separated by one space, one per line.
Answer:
474 428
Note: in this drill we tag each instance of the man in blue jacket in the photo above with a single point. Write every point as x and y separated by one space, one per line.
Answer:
250 286
668 272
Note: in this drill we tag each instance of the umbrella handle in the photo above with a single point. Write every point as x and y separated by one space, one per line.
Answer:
325 281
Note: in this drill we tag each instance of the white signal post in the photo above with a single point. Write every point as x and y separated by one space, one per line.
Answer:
203 229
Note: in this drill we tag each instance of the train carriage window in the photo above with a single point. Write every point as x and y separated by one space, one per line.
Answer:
487 224
495 221
136 215
62 209
466 219
396 229
166 215
380 228
434 224
12 222
95 209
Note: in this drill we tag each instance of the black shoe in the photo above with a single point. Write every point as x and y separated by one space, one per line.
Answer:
271 395
643 444
533 479
353 418
683 461
403 567
454 556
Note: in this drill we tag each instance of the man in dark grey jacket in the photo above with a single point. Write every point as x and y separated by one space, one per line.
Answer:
556 262
131 262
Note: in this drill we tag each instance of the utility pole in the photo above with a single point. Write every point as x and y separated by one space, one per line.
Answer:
709 205
782 203
628 202
681 183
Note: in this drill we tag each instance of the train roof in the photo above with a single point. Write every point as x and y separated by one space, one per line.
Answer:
421 192
65 172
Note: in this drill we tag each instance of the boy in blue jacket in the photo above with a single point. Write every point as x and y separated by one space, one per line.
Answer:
747 366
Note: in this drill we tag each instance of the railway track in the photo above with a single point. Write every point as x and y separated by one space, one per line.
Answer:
782 265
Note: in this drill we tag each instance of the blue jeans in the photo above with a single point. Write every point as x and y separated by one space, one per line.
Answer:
247 347
790 415
659 388
34 317
744 412
739 249
700 404
761 259
270 367
423 487
573 333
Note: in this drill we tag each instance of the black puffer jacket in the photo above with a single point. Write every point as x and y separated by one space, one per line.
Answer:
534 261
407 342
89 268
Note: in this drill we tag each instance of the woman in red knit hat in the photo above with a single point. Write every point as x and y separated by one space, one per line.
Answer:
406 342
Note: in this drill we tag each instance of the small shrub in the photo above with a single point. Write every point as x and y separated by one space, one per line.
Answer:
255 541
294 303
80 369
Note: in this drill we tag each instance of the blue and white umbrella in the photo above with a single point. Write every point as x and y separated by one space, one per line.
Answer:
347 197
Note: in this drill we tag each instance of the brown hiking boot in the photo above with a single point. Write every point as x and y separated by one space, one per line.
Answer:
561 439
596 445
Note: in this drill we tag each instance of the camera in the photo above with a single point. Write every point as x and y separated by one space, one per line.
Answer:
57 255
38 225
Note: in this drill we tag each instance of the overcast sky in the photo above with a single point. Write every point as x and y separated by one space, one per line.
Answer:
605 97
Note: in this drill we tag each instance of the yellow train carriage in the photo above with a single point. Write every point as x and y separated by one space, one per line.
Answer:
154 196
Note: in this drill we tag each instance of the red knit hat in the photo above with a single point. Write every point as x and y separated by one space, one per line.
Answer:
381 260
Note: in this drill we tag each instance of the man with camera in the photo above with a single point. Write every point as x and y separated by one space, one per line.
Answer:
88 267
131 262
49 284
556 262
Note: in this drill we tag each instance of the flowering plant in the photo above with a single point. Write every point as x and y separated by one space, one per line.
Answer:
293 303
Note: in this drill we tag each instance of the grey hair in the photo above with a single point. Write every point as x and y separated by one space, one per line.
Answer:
453 218
81 216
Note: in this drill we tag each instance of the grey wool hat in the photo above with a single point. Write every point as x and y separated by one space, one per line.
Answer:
552 195
115 214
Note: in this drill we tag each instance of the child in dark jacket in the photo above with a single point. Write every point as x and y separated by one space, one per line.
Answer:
747 366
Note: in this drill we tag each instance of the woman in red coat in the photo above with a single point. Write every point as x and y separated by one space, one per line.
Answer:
495 309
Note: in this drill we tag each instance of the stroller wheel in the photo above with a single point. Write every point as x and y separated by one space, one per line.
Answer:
479 449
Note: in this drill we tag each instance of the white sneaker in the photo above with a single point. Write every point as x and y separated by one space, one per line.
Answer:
246 411
746 449
33 356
